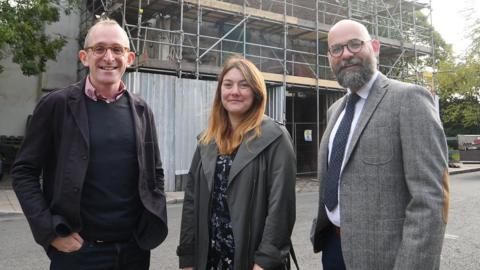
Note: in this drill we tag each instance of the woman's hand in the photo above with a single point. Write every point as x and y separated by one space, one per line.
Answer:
257 267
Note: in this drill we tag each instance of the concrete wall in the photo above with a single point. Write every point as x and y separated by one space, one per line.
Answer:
19 94
63 71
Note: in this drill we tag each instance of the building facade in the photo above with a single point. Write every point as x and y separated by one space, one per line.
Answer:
181 46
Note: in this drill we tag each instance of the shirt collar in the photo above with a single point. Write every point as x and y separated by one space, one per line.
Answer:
93 94
365 90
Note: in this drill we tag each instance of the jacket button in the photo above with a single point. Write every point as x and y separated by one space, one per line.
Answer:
76 189
84 157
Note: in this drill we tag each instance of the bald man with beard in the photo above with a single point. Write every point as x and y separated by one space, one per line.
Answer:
383 196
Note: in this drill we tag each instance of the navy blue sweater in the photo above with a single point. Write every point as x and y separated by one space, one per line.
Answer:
110 204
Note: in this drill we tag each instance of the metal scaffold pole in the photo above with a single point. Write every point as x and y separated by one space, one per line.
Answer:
415 42
182 36
244 29
197 62
432 43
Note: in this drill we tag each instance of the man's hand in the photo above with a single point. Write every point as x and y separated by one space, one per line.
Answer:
67 244
257 267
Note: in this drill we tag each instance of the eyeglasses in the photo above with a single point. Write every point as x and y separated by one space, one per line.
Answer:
353 46
100 50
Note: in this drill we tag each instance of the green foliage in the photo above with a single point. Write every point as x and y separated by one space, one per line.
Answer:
22 24
459 84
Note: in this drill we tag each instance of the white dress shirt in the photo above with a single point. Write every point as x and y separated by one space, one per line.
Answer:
363 92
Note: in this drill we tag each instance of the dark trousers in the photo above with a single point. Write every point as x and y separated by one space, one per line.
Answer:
332 258
102 256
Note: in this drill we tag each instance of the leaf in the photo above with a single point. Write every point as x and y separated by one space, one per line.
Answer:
22 24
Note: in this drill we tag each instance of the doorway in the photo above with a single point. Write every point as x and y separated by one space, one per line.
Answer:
306 123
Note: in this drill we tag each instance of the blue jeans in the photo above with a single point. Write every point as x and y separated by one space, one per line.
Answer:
102 256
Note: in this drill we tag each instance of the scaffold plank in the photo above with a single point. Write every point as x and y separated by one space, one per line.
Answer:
253 12
301 80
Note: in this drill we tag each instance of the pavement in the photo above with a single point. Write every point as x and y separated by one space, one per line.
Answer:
9 203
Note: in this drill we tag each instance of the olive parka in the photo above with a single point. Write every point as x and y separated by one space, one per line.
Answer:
260 197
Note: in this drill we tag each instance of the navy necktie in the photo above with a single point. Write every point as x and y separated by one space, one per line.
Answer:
337 154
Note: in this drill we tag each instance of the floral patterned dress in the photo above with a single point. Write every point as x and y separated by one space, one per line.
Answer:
222 245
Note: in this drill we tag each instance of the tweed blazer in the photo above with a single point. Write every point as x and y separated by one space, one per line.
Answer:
56 146
394 184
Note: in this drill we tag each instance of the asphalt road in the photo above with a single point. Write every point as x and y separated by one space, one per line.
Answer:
461 249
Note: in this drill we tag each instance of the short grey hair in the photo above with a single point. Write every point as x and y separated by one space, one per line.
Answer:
102 21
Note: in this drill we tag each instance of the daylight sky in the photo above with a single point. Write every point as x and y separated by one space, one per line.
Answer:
449 20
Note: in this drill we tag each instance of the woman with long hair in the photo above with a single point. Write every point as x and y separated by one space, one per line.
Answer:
239 205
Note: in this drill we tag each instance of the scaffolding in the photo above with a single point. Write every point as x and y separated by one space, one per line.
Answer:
286 39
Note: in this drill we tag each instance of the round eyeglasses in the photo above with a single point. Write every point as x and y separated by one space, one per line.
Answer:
101 50
353 46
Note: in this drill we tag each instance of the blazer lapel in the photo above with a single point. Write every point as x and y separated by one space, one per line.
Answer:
76 102
323 149
209 155
333 118
137 113
248 150
374 97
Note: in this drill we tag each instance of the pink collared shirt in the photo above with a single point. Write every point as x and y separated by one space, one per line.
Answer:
93 94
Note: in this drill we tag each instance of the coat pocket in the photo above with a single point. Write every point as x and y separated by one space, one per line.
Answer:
376 145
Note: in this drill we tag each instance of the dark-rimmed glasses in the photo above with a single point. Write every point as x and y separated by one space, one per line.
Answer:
353 46
101 50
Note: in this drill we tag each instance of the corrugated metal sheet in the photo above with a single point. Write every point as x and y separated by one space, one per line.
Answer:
194 99
159 92
276 103
181 108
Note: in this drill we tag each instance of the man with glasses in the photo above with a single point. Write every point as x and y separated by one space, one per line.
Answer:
383 197
101 202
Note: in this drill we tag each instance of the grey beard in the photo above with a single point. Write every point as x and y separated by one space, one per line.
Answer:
355 80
